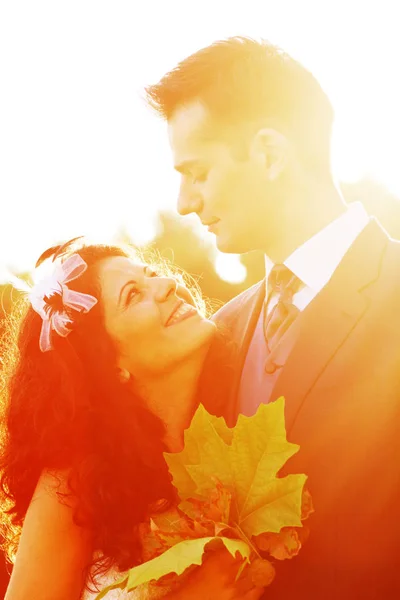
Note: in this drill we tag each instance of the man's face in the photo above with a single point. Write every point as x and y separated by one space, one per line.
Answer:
227 192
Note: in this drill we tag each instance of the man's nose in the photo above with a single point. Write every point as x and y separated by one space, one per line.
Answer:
189 203
164 287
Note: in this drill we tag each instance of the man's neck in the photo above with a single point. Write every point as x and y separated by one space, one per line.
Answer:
318 206
315 261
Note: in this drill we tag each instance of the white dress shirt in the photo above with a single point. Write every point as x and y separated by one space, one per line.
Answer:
315 261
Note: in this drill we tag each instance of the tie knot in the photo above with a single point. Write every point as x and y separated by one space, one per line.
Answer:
283 281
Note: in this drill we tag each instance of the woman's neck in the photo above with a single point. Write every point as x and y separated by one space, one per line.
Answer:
171 396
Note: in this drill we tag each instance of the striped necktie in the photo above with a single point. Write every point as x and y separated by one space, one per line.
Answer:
284 284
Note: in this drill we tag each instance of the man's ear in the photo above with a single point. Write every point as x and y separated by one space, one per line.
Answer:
272 148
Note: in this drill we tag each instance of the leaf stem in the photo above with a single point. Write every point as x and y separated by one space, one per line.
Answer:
244 537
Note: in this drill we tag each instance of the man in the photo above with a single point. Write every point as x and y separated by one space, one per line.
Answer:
250 132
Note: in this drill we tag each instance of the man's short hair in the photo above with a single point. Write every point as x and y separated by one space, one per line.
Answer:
241 80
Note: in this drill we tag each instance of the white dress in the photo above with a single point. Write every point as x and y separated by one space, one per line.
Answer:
142 592
107 579
147 591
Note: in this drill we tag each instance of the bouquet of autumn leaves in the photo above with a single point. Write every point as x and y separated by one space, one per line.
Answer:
230 495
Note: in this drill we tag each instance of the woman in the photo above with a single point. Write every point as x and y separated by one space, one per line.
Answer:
101 381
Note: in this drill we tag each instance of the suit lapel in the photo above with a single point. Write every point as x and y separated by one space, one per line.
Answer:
323 327
242 329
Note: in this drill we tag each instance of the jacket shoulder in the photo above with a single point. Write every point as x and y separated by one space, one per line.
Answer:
231 308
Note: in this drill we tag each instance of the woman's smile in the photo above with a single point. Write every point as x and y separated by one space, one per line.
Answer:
182 311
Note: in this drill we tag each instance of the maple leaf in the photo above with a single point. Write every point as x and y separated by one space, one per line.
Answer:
172 521
173 526
282 545
259 450
279 507
175 560
247 466
216 507
262 572
204 459
231 493
307 507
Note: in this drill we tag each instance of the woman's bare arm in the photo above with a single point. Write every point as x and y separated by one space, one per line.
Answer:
53 551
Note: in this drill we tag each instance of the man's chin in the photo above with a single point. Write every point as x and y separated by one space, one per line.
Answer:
225 246
230 246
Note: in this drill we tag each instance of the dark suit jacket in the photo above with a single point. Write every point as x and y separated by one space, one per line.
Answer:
341 382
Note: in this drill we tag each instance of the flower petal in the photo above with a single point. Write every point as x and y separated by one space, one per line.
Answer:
78 300
71 268
45 336
60 322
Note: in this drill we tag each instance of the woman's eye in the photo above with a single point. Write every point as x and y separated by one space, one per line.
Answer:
133 292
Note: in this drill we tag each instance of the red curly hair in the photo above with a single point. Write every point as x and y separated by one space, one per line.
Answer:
67 410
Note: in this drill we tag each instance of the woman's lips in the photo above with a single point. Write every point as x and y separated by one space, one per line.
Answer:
183 311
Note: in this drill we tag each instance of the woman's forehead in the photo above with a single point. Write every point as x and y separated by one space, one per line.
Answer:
121 267
117 271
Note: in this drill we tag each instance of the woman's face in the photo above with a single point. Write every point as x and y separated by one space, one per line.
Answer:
152 319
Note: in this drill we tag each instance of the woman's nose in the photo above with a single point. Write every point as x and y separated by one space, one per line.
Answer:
165 286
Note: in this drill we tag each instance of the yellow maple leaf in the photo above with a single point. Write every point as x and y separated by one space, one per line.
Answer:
282 545
247 464
204 458
227 481
175 560
262 572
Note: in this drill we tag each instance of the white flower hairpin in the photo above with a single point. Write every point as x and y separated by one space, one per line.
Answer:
51 298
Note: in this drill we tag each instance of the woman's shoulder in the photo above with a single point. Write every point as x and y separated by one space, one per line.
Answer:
53 485
52 481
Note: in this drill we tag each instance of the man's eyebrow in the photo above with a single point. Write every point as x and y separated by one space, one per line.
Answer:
130 282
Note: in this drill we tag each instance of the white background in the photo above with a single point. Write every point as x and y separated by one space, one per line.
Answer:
80 153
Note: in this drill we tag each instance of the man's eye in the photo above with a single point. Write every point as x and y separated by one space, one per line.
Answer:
199 177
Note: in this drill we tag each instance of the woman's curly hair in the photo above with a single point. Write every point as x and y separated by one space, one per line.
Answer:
66 410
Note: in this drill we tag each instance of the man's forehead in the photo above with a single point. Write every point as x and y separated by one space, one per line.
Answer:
188 130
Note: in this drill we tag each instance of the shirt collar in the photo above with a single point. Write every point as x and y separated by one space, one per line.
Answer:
315 261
